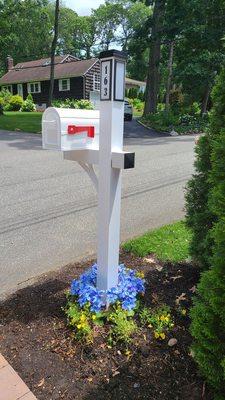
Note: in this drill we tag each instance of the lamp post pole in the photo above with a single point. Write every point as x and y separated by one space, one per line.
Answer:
109 186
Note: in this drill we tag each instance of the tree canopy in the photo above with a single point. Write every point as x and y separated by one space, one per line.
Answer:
182 45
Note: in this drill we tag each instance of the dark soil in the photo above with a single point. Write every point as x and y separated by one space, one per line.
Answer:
38 344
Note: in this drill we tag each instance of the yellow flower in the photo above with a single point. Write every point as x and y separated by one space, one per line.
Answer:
183 311
166 319
150 326
94 317
79 326
83 318
162 318
156 335
162 335
128 353
140 274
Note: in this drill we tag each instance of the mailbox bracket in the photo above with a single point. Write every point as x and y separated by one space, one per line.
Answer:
89 157
91 173
120 159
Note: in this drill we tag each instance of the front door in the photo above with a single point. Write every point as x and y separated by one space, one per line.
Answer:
20 89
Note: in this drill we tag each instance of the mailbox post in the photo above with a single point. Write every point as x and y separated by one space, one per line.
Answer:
89 138
109 183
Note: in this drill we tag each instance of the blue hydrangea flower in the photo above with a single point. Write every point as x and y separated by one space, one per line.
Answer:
129 286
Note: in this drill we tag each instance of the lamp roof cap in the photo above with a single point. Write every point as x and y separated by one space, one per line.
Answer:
113 53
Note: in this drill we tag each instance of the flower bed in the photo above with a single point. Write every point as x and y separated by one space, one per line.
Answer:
129 286
41 348
115 310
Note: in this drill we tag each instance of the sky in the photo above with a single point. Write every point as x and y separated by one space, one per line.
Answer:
83 7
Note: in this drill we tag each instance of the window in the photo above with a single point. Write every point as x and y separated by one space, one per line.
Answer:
34 87
64 84
20 89
7 87
96 82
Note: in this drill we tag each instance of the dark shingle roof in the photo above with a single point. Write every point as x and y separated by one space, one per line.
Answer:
36 70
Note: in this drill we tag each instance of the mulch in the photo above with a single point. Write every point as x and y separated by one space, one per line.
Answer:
36 341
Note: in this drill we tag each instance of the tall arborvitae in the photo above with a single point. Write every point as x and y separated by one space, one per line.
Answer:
199 217
208 313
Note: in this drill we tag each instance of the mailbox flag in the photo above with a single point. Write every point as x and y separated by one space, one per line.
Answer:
74 130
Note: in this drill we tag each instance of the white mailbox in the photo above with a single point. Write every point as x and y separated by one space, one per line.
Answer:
70 129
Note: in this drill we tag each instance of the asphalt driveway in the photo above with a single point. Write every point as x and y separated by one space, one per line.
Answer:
48 205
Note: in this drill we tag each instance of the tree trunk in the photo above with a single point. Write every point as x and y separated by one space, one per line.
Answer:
152 87
170 73
53 48
205 100
88 52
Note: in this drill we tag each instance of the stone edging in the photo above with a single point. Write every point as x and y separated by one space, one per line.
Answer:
147 127
11 385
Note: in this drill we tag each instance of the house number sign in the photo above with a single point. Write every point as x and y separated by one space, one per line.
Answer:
106 80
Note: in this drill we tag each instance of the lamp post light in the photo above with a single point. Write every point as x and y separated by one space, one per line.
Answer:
109 186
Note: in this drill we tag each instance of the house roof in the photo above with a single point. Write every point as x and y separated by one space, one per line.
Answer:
135 82
39 70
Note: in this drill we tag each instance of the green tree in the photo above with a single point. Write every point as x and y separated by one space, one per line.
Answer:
68 23
132 17
107 19
198 215
25 30
200 218
208 314
87 32
152 87
200 49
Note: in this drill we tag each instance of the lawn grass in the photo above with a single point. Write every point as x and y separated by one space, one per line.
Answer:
21 121
169 243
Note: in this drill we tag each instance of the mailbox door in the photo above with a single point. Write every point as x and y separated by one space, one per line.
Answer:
79 140
51 132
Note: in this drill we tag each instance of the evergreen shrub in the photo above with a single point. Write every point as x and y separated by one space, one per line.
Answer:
28 104
73 103
1 106
199 217
5 96
208 313
15 103
132 93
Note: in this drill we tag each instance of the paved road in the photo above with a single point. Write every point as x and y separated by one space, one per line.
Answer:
48 206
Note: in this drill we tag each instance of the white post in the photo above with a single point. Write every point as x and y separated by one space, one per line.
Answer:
109 188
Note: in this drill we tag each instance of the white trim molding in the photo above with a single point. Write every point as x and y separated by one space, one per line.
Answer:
7 87
64 85
34 87
20 89
96 82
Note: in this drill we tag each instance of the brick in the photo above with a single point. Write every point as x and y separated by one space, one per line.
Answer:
28 396
3 362
12 386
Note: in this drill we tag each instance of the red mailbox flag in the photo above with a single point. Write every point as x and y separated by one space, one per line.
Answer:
74 130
